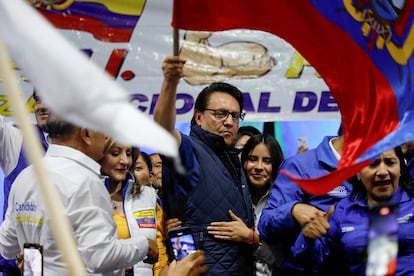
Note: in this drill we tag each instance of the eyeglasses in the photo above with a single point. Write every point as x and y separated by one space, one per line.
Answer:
222 114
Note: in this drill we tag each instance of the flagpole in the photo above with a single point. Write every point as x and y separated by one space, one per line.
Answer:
61 229
176 41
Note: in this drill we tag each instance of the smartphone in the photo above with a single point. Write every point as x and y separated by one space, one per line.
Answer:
33 259
181 242
382 240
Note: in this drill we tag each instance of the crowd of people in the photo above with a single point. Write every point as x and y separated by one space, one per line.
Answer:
245 217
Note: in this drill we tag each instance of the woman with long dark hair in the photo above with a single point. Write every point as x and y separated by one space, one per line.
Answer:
260 158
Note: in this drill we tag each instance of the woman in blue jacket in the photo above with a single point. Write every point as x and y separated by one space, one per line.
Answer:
341 236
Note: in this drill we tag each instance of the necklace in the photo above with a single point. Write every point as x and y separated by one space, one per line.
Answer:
116 204
116 199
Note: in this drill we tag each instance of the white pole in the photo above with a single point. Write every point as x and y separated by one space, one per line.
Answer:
61 229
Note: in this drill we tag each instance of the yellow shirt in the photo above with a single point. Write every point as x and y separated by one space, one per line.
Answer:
122 226
161 237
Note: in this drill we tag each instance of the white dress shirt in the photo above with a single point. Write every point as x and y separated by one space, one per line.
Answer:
88 207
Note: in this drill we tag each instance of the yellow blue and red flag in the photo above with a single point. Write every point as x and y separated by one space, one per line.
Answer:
106 20
73 86
361 48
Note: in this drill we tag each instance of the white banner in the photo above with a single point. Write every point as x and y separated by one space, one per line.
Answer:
278 84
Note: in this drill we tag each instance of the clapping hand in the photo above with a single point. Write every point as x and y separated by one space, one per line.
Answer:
318 226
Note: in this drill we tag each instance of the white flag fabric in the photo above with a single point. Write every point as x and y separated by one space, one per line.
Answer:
71 85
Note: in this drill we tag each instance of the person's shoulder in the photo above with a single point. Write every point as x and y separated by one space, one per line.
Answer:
67 157
9 127
300 157
185 137
187 146
309 155
345 204
26 176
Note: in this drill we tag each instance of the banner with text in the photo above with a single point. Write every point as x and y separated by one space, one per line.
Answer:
130 38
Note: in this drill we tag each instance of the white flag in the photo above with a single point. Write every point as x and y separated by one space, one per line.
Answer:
71 85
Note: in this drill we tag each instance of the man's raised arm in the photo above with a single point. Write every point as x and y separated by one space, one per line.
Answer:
165 108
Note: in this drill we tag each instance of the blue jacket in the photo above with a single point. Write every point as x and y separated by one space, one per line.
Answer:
346 241
214 183
276 222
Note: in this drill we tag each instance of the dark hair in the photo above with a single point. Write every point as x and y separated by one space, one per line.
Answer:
58 128
406 181
147 160
135 155
137 187
204 97
248 130
245 130
272 144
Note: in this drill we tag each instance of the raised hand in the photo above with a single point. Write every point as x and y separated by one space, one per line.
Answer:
172 68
